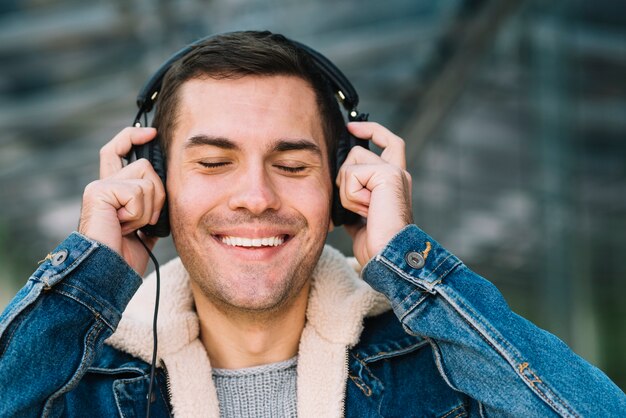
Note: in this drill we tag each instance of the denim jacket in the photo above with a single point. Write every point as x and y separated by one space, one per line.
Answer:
450 346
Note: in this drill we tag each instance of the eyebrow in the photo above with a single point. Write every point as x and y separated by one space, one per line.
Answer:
281 145
215 141
285 145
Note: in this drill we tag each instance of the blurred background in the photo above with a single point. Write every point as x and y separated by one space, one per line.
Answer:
514 114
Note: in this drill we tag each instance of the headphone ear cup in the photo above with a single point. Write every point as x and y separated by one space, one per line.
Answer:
153 153
339 214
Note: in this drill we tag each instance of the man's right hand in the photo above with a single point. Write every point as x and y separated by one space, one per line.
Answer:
124 199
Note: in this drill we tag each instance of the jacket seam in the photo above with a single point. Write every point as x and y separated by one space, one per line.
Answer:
367 391
94 311
410 296
452 411
397 270
444 274
111 372
506 351
62 273
25 301
429 286
481 409
119 382
91 336
369 372
439 363
20 319
389 354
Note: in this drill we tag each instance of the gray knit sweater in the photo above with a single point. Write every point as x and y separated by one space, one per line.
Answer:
262 391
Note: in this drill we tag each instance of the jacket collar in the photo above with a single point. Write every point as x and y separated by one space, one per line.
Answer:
338 302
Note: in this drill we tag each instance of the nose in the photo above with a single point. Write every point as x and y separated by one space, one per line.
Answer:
254 191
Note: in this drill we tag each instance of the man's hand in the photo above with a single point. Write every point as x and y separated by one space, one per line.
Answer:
124 199
376 187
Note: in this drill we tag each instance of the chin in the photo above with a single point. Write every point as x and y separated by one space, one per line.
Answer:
249 295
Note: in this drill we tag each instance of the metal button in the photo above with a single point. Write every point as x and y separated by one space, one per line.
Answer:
415 260
58 257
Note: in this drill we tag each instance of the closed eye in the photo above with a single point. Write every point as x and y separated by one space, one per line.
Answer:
290 169
214 165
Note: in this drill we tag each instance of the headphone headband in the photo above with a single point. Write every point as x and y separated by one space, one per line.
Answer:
342 87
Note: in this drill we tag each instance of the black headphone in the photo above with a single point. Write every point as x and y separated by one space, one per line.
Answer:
339 83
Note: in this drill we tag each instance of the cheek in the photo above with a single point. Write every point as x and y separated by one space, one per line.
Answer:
191 197
313 199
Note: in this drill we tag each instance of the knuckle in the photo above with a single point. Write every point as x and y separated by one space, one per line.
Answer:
394 170
132 188
91 187
357 151
144 164
149 186
160 189
105 150
160 198
138 169
138 188
126 132
396 141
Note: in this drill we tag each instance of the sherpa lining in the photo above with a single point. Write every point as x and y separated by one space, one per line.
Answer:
338 302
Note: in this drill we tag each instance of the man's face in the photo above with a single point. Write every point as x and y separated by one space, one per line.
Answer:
249 189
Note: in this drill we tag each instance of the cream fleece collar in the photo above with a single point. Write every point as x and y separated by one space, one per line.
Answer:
338 303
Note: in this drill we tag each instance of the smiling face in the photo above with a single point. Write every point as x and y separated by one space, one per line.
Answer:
249 189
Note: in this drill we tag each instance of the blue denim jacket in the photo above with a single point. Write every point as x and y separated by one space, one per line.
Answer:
456 350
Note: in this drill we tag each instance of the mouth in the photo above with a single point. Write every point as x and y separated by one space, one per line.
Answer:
245 242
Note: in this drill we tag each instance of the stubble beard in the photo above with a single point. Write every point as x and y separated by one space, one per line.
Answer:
212 280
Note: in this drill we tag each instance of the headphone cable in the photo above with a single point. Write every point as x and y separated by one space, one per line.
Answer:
154 323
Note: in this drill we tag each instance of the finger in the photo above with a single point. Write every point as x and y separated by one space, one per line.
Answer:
138 209
130 201
142 169
357 183
360 155
392 145
111 154
353 183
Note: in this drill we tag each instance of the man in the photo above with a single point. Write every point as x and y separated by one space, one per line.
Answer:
258 318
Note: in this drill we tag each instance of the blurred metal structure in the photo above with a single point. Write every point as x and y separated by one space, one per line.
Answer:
513 113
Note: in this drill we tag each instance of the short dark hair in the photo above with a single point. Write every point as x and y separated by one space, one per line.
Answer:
238 54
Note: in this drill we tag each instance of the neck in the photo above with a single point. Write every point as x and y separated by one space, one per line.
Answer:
235 338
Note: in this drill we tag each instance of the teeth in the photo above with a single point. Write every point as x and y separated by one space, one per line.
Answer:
253 242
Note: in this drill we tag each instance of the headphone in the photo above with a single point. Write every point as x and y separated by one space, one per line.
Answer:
341 86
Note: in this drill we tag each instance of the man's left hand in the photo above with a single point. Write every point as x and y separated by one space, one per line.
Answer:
376 187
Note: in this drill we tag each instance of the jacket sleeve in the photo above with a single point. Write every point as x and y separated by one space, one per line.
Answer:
481 348
55 326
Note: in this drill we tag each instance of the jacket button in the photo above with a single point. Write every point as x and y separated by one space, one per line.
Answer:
58 257
415 260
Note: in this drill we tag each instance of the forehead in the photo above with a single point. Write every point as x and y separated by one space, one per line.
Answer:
249 108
